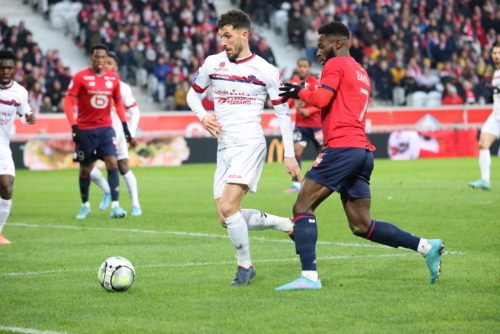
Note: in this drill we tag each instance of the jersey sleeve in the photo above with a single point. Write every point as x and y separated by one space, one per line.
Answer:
127 96
332 74
74 86
117 94
201 79
24 106
273 83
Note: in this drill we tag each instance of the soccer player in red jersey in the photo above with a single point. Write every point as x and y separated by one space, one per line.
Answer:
92 91
307 118
346 163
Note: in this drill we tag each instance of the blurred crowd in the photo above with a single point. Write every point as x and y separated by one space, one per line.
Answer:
42 74
159 43
417 52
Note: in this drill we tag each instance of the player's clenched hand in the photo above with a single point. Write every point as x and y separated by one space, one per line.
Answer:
211 125
75 133
292 168
304 112
30 118
128 136
133 143
291 91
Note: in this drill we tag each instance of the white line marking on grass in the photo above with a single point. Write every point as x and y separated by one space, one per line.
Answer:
161 265
27 330
204 235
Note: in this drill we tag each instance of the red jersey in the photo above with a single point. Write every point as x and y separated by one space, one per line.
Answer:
95 94
314 118
343 119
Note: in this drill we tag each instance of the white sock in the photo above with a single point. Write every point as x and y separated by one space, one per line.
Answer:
297 184
484 164
114 203
97 178
310 274
87 204
258 221
424 246
131 184
5 205
238 233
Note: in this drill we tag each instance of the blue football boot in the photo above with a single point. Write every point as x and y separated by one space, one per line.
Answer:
244 275
301 283
118 212
83 213
433 258
480 184
106 199
136 211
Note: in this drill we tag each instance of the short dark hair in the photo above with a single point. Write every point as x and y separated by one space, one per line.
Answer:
7 55
496 45
334 28
99 47
304 59
111 54
236 18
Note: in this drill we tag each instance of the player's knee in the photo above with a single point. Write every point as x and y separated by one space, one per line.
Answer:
484 145
6 191
123 167
226 209
359 228
299 207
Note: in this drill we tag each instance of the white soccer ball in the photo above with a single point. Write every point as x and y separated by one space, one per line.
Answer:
116 274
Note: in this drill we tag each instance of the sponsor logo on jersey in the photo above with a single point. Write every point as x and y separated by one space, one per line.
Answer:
87 77
235 176
235 100
109 78
10 103
221 67
92 83
108 84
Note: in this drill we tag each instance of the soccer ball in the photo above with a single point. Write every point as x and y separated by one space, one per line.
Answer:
116 274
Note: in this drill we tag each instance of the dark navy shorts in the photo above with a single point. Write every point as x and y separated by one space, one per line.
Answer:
344 170
314 135
95 144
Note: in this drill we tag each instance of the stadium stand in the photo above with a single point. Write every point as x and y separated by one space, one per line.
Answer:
42 74
416 52
160 44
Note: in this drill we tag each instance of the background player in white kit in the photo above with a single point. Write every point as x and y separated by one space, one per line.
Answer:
129 177
241 82
13 100
491 129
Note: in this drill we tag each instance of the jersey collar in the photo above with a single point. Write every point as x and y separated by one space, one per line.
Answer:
8 86
244 60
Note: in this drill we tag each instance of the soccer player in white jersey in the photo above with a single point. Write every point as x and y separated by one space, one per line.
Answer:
241 82
129 177
13 100
491 129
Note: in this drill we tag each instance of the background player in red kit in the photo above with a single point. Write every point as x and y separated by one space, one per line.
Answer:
346 163
307 118
93 91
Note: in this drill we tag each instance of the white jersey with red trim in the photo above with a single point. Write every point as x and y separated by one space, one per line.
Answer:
240 90
496 93
13 101
128 102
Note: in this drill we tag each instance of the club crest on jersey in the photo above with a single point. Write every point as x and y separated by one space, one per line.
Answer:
108 84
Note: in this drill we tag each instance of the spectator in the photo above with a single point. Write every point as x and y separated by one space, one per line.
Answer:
427 81
383 82
469 94
161 71
46 106
181 95
35 96
398 72
265 52
296 30
126 62
452 98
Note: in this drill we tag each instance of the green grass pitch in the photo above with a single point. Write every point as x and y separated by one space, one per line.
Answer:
48 275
